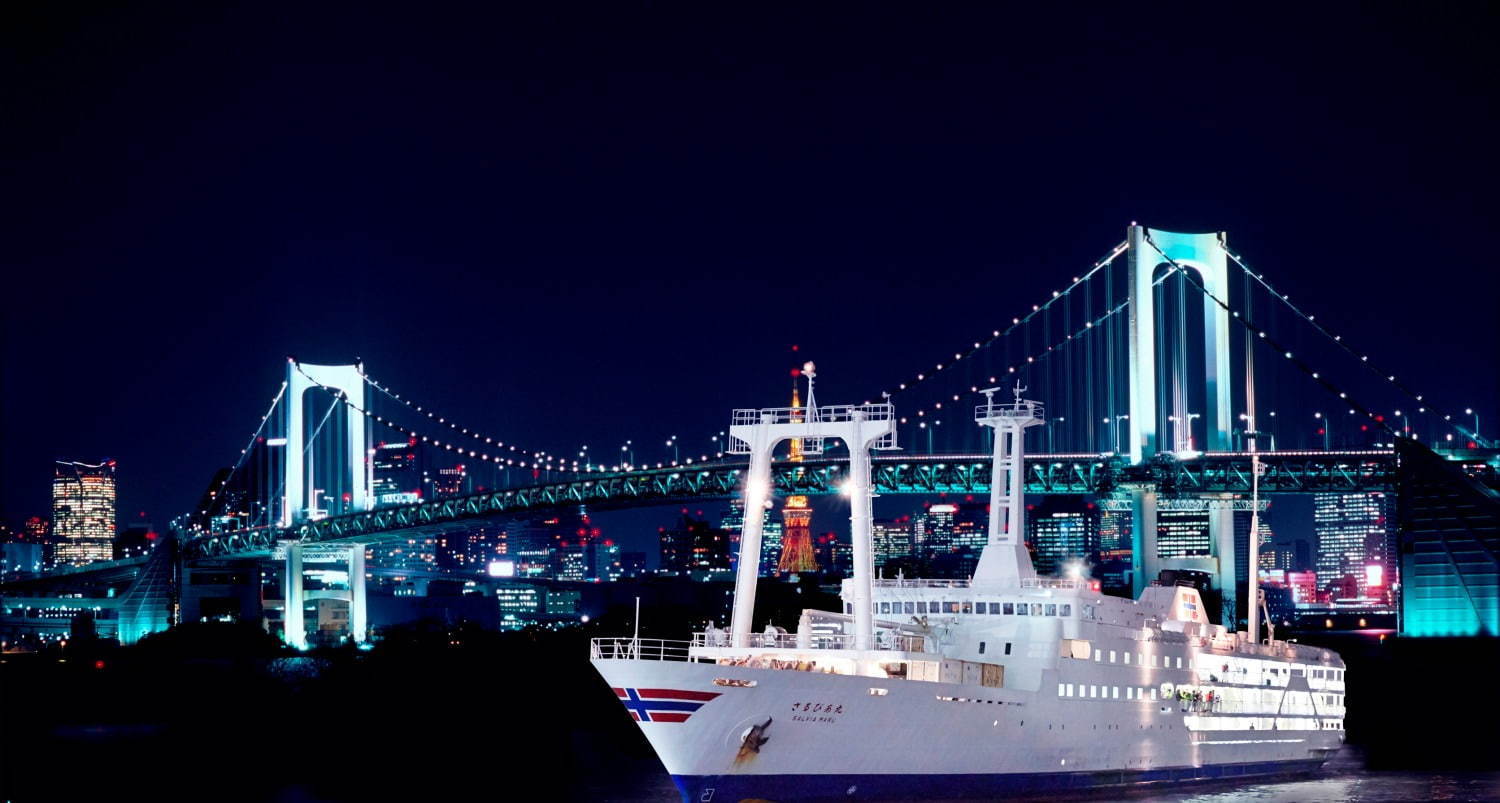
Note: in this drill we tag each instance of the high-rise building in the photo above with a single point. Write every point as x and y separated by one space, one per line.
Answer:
835 554
1356 545
796 540
83 511
1115 530
1182 534
450 482
932 530
632 564
1062 530
397 476
733 523
693 548
891 539
134 541
971 527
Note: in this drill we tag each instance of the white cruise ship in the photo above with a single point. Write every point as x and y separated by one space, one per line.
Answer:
1006 683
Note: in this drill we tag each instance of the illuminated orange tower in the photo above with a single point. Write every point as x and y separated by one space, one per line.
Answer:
796 538
795 455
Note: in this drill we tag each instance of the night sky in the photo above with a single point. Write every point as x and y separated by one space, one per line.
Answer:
573 225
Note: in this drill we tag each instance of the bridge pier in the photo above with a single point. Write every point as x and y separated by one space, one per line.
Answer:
295 555
1146 563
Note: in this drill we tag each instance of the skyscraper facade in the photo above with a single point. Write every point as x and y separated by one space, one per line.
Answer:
83 512
1062 530
1356 545
733 523
891 539
1182 533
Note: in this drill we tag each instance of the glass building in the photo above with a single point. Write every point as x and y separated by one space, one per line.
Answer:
891 539
83 512
1182 534
1356 545
1061 530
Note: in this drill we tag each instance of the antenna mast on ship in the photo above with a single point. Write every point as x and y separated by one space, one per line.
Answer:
1004 558
1252 571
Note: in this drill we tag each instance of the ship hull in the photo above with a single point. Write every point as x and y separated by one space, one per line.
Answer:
790 735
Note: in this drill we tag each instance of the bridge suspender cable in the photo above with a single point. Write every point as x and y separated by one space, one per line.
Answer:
1251 326
245 452
1363 359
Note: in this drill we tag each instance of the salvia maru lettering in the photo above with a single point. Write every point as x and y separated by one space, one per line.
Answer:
1003 683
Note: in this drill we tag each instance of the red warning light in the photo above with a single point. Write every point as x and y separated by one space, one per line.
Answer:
99 664
796 372
795 347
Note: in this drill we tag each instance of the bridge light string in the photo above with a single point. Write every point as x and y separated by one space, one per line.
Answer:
245 452
534 456
1276 346
1016 323
1021 365
1363 359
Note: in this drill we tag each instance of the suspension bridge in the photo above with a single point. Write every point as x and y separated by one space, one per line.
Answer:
1165 365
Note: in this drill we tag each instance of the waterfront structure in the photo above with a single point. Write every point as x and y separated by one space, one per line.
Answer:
796 540
1356 547
1048 667
83 511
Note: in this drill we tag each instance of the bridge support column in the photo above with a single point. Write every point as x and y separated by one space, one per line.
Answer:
1221 536
1145 562
294 630
358 613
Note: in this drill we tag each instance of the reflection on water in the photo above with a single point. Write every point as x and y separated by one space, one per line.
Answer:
1344 780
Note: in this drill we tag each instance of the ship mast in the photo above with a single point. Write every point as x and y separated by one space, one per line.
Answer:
1252 571
1004 559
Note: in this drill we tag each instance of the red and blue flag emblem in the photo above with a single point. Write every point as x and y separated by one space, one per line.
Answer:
663 705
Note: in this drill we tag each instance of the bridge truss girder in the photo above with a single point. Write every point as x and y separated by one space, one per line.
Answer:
1212 473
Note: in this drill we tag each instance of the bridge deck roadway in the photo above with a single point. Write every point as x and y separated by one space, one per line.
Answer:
1207 473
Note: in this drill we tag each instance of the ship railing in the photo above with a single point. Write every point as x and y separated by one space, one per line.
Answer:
639 649
920 583
833 413
884 640
1053 582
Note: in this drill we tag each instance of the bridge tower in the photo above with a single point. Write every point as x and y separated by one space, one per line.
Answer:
298 501
757 433
1205 254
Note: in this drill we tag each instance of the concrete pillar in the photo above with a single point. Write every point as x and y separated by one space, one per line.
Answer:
1221 536
757 491
295 630
860 532
1145 562
358 613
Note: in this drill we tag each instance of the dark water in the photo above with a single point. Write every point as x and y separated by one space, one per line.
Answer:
453 714
1344 780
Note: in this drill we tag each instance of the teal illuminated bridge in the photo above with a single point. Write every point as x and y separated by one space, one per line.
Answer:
1161 367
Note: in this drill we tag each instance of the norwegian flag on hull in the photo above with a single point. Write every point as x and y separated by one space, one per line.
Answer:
663 705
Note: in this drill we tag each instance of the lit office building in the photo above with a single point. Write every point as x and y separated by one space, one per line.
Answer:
83 512
771 536
891 539
450 482
396 477
932 531
1115 530
1182 534
1356 545
694 549
1062 530
971 527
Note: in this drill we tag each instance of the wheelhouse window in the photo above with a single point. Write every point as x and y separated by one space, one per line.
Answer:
1066 609
1051 609
1009 608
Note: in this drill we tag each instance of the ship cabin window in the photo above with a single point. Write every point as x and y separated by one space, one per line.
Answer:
1021 609
1127 657
994 609
1067 690
911 607
1116 693
1093 691
1036 609
1153 661
934 607
1098 656
1066 610
1051 609
1007 648
981 648
848 608
968 607
950 606
1111 656
885 607
1009 608
1179 662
